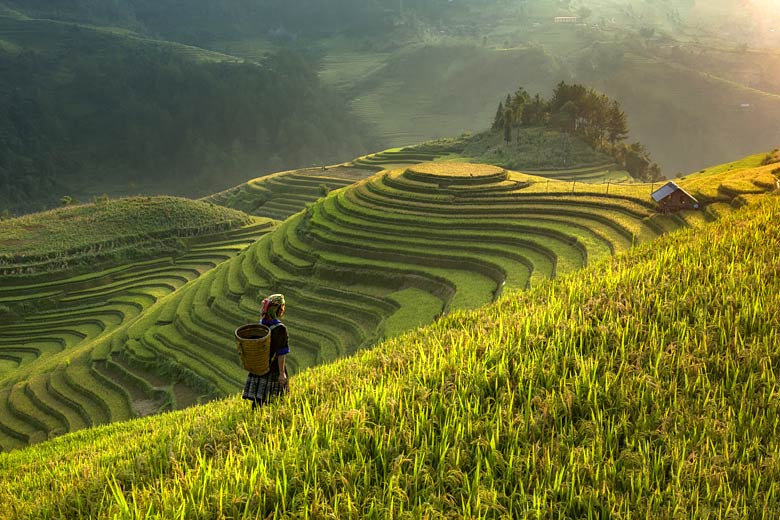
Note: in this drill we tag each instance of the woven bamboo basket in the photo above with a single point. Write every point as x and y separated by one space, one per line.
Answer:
254 348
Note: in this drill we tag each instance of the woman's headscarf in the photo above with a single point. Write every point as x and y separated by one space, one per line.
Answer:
271 306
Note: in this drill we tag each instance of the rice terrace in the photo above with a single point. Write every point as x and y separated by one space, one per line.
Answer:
501 300
367 254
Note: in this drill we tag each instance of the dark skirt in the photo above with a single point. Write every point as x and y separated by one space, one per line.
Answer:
263 389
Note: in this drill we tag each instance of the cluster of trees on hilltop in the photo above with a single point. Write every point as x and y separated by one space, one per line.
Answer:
575 109
102 112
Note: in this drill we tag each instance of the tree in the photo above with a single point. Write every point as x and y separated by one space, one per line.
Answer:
564 93
617 124
534 113
498 120
508 124
565 119
519 99
637 162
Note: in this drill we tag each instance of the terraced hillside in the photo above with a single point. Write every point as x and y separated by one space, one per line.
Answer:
395 251
62 240
283 194
56 372
369 261
402 156
642 387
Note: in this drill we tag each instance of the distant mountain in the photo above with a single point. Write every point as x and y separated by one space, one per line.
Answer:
201 20
696 79
90 110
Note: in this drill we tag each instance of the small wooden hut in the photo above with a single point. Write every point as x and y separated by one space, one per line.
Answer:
670 197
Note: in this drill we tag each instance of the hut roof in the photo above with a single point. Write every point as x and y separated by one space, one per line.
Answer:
667 189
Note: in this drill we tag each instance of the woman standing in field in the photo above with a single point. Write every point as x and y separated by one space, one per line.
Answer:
263 389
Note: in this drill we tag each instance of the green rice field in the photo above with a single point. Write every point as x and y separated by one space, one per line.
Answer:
57 370
641 386
367 251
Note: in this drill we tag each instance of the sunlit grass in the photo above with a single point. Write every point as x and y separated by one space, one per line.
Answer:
642 387
751 161
723 183
50 239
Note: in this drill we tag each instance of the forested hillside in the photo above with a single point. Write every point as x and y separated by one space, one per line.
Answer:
84 109
196 21
575 110
403 72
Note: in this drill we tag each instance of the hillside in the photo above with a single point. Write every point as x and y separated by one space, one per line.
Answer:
71 278
370 260
74 237
198 96
86 111
703 114
640 387
281 195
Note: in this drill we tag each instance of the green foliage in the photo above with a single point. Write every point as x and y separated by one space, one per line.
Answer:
85 109
79 236
639 388
636 160
574 109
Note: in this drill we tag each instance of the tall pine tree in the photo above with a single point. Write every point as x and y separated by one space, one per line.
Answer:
498 120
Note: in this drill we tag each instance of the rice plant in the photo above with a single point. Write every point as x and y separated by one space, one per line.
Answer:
640 387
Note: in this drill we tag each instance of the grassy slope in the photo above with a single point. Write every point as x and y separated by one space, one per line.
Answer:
195 323
640 387
89 232
45 34
57 371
